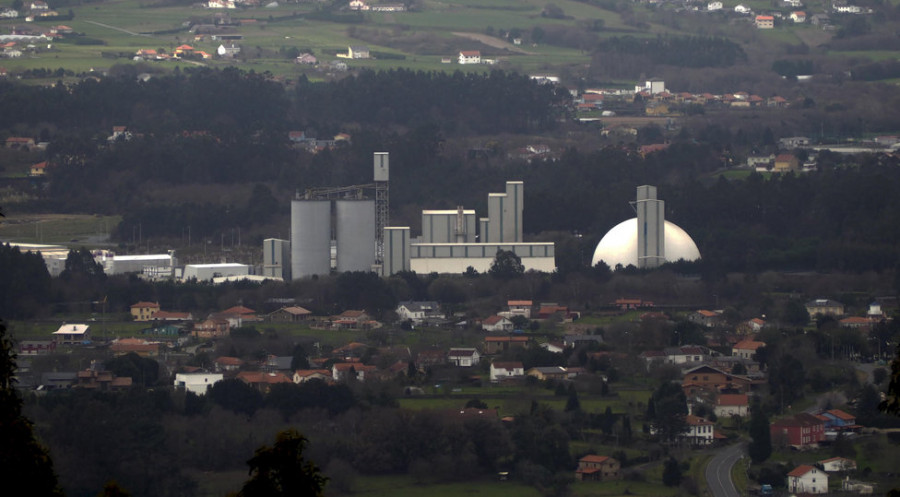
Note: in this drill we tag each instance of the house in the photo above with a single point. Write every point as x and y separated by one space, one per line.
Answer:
263 381
19 142
765 22
837 465
39 169
36 347
307 58
549 310
751 326
343 371
496 323
732 404
428 358
742 9
798 16
746 349
463 357
211 328
714 6
785 163
705 318
824 307
143 311
838 420
419 312
520 308
800 430
291 314
700 431
506 370
140 347
856 323
358 5
572 341
96 379
598 468
228 51
197 383
172 316
227 364
709 379
470 57
686 354
807 480
163 330
352 320
72 334
358 52
304 375
497 344
548 372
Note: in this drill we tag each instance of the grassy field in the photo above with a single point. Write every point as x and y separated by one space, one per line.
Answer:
68 229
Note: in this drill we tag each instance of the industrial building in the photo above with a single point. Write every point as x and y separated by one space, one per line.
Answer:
208 272
449 243
648 240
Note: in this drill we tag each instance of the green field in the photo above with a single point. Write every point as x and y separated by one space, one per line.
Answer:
70 229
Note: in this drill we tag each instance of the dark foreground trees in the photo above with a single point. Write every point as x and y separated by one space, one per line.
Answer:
282 470
22 458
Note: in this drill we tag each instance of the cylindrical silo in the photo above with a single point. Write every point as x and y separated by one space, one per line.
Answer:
355 227
310 238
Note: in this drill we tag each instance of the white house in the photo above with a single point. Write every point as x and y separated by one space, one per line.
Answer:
798 16
506 370
742 9
198 383
807 480
732 404
699 430
470 57
419 312
837 465
497 324
463 357
72 334
713 6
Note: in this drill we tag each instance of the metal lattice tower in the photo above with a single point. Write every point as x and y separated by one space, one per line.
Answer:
382 202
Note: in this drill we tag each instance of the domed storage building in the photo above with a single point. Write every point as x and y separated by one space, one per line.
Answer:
648 240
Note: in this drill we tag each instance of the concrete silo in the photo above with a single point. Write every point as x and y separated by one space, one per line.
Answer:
310 238
355 229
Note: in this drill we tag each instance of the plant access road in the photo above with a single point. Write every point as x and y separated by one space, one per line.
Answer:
718 471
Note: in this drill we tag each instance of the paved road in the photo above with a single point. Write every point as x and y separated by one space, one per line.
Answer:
117 29
718 471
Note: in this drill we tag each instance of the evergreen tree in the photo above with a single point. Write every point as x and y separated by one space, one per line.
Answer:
22 458
572 403
281 470
671 472
760 447
506 266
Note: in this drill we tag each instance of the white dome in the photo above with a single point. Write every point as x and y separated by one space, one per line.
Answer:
619 245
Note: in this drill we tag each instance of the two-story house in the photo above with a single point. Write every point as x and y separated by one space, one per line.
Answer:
807 480
506 370
598 468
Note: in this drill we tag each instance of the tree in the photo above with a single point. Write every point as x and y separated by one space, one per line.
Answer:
760 447
506 266
281 470
22 458
299 360
671 472
572 403
669 411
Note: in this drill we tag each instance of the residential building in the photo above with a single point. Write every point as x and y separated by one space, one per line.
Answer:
197 383
506 370
344 371
143 348
786 163
801 430
39 169
470 57
520 308
598 468
261 380
143 311
228 364
837 465
705 318
824 307
709 379
463 357
72 334
798 16
548 372
358 52
304 375
807 480
700 431
838 420
765 22
211 328
746 349
419 312
36 347
497 324
291 314
732 404
497 344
